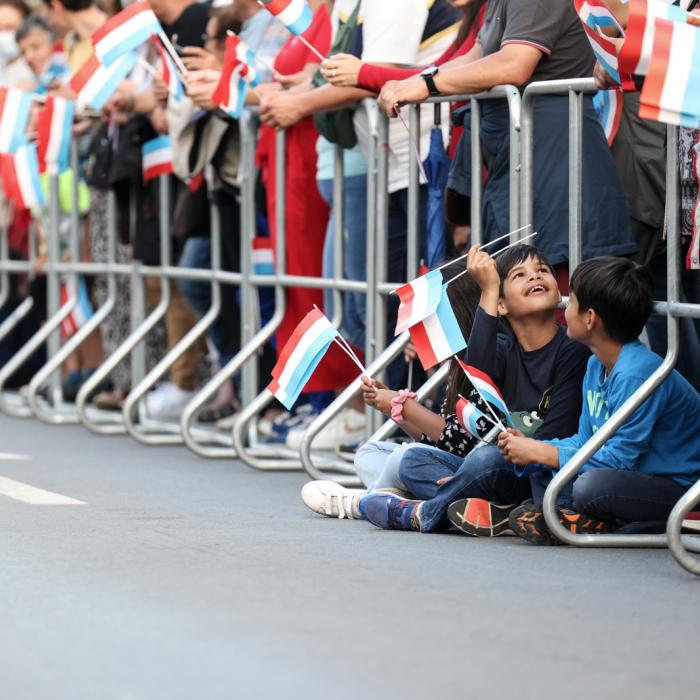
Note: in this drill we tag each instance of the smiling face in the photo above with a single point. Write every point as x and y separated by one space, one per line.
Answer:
529 288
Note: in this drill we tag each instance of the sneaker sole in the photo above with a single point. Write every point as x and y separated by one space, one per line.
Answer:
480 518
531 526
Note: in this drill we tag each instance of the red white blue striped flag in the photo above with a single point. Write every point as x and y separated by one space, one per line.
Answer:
95 83
20 177
300 356
157 157
296 15
15 107
54 128
125 31
418 300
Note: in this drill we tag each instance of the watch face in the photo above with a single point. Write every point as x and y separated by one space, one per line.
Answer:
429 71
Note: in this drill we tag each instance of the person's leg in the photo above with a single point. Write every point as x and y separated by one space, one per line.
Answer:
627 496
179 320
484 474
422 467
196 253
370 461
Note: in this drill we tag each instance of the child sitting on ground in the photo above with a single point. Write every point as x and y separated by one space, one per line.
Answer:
539 372
377 462
654 457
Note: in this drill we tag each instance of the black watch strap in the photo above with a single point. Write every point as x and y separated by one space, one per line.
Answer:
430 82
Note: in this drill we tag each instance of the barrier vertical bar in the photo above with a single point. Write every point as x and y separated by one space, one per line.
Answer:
476 188
137 335
338 231
413 238
53 283
575 177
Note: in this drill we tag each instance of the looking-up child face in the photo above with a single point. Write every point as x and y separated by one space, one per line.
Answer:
529 288
37 47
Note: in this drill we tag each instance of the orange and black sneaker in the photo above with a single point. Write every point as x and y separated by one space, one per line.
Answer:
480 518
527 521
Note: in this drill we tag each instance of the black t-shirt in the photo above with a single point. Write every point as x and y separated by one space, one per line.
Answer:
552 26
542 388
190 25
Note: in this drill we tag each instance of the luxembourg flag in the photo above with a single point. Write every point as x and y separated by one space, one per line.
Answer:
20 176
263 256
438 336
54 125
419 299
169 73
671 91
474 421
236 75
15 106
157 158
640 37
95 84
300 356
296 15
608 108
595 18
82 312
485 387
125 31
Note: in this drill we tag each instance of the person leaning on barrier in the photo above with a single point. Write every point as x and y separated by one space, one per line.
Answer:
522 42
538 371
654 457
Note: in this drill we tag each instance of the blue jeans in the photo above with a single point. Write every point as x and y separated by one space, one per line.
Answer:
626 496
354 254
377 463
224 332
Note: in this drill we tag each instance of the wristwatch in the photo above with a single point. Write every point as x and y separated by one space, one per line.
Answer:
428 75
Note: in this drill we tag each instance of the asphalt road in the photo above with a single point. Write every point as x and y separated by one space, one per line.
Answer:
184 578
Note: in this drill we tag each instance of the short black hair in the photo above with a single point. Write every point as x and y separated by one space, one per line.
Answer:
619 290
516 255
74 5
30 24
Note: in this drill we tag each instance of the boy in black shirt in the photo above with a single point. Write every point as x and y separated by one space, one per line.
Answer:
539 372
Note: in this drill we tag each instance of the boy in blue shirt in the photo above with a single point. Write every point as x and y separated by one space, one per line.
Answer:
640 472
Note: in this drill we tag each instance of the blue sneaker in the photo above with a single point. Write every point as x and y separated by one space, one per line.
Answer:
391 512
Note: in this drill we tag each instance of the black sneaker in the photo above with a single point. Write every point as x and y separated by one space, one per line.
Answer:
527 521
480 518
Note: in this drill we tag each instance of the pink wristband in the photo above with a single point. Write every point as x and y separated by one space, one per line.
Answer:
397 404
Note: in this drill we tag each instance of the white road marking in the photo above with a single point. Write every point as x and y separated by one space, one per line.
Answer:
13 456
30 494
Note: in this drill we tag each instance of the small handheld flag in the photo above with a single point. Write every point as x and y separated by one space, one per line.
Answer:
419 299
438 336
608 108
263 256
296 15
20 177
15 106
54 125
595 18
125 31
473 420
300 356
169 74
487 389
237 74
157 158
95 84
82 312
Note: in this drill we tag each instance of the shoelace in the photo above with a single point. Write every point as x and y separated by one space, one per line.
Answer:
343 504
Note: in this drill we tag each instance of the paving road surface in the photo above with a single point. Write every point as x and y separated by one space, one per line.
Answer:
136 573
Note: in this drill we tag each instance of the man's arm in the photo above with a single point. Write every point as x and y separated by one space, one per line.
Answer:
513 64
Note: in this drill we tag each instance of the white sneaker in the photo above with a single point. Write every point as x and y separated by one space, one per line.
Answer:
333 500
167 402
347 426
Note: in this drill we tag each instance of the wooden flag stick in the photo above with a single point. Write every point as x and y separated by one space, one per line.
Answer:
309 46
173 54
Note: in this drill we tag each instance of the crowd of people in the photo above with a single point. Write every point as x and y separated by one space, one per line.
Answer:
561 377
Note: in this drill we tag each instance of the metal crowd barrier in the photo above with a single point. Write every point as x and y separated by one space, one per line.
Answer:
243 442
